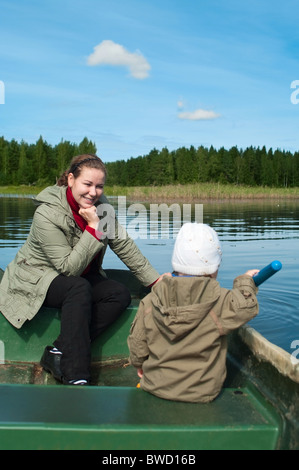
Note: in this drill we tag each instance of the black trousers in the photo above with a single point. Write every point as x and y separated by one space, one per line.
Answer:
88 306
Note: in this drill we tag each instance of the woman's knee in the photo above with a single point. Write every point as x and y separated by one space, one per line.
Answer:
77 304
80 293
119 293
125 297
110 291
78 285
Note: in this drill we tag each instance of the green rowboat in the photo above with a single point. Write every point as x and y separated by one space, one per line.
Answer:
257 409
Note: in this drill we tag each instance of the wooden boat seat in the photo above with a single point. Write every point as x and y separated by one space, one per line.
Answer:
27 343
61 417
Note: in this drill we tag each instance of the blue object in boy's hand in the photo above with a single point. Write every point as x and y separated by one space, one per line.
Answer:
267 272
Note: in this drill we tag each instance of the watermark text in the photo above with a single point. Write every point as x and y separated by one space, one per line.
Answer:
295 354
2 92
294 95
159 221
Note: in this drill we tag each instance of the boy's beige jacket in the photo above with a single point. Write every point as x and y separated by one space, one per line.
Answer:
56 245
178 336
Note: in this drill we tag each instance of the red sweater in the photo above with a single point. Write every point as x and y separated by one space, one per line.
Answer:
82 224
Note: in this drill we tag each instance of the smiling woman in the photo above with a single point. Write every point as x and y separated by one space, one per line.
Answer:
86 185
60 266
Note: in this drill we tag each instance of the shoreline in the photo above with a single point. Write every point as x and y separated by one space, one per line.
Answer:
202 193
179 193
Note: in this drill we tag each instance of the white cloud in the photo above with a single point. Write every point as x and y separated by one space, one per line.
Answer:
111 53
198 115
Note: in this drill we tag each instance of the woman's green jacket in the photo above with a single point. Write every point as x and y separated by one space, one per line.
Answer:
56 245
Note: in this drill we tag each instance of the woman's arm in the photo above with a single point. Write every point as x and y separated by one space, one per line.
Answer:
127 250
53 242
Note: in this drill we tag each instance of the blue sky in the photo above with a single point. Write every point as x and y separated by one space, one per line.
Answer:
133 75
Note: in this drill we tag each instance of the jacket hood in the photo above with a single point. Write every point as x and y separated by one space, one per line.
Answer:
181 303
52 195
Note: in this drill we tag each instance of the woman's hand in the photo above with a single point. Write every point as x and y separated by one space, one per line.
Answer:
163 275
91 216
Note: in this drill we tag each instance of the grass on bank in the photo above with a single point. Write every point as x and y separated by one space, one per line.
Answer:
200 192
20 190
183 193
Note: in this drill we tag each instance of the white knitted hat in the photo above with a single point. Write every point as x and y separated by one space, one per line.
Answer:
197 250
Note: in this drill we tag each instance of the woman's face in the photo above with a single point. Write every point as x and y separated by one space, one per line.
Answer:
88 187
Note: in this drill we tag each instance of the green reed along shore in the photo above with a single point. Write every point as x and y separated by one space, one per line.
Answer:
197 192
194 192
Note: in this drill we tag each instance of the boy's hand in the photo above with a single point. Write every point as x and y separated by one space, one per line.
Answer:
252 272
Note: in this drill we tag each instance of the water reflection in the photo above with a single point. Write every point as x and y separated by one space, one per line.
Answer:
15 220
241 221
252 235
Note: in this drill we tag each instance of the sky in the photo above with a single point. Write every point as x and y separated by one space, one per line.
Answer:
134 75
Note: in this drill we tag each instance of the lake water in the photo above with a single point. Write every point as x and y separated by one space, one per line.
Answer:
252 235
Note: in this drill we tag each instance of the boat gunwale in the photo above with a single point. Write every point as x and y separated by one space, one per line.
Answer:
265 350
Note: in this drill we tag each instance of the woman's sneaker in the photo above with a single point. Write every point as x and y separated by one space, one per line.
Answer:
75 382
50 362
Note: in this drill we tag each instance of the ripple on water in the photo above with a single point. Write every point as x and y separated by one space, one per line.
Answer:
278 317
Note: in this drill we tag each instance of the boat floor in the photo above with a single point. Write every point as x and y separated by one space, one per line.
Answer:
38 413
111 418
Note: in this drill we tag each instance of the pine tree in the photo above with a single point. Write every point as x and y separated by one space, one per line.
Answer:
24 169
40 161
86 146
13 161
4 171
202 170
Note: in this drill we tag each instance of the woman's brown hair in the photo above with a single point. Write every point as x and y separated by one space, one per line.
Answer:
80 161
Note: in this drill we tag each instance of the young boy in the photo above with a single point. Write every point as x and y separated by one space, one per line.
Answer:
178 338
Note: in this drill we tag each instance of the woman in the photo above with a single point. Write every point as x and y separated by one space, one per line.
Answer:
60 266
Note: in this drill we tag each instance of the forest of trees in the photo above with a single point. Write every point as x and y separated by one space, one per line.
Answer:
41 164
252 167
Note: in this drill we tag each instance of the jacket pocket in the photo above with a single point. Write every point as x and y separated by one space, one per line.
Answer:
26 273
26 283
